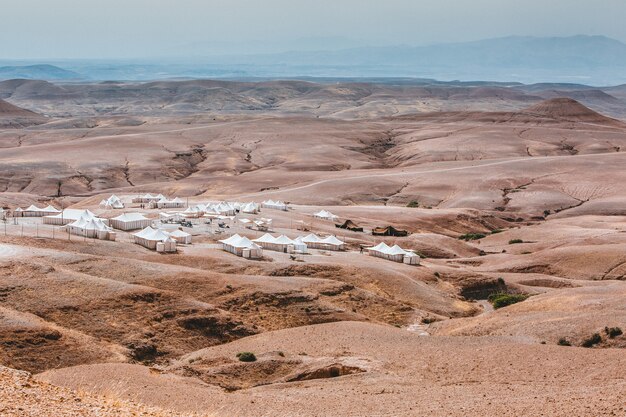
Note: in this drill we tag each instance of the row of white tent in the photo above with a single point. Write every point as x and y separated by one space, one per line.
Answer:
149 198
281 243
161 240
394 253
276 205
34 211
112 202
242 246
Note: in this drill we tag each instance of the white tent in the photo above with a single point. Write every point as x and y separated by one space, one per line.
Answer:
34 211
276 205
192 212
332 243
147 198
250 208
91 227
299 245
155 239
325 215
394 253
181 237
112 202
2 214
130 221
68 216
242 246
379 250
165 203
279 244
329 243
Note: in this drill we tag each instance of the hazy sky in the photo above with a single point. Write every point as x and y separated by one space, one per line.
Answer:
147 28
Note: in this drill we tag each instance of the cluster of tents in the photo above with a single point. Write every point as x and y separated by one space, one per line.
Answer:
91 227
112 202
253 249
161 240
275 205
281 243
394 253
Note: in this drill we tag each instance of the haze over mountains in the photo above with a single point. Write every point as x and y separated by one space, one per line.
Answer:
593 60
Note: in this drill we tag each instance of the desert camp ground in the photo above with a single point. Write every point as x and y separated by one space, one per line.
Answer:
357 241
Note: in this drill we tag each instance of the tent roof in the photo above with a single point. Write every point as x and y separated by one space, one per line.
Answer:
381 247
396 250
179 233
311 238
266 238
130 217
283 240
332 240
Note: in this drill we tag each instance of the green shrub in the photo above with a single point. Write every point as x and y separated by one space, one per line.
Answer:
246 357
564 342
493 232
592 340
472 236
500 300
515 241
613 332
413 204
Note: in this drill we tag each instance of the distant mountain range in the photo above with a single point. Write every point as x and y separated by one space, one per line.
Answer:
594 60
37 72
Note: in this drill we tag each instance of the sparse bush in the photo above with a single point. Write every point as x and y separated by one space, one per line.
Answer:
546 213
592 340
564 342
493 232
413 204
472 236
613 332
437 275
428 320
500 300
515 241
246 357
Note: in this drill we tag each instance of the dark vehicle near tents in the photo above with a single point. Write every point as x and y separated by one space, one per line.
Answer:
349 225
389 231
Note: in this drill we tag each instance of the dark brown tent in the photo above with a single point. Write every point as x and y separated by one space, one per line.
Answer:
350 225
389 231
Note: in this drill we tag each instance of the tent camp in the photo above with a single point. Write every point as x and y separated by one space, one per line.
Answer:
242 246
112 202
130 221
389 231
349 225
155 239
276 205
68 216
34 211
394 253
91 227
325 215
181 237
328 243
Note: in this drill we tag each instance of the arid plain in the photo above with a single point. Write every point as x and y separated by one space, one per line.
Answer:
533 176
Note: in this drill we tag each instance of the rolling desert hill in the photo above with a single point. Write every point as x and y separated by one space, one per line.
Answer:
503 191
